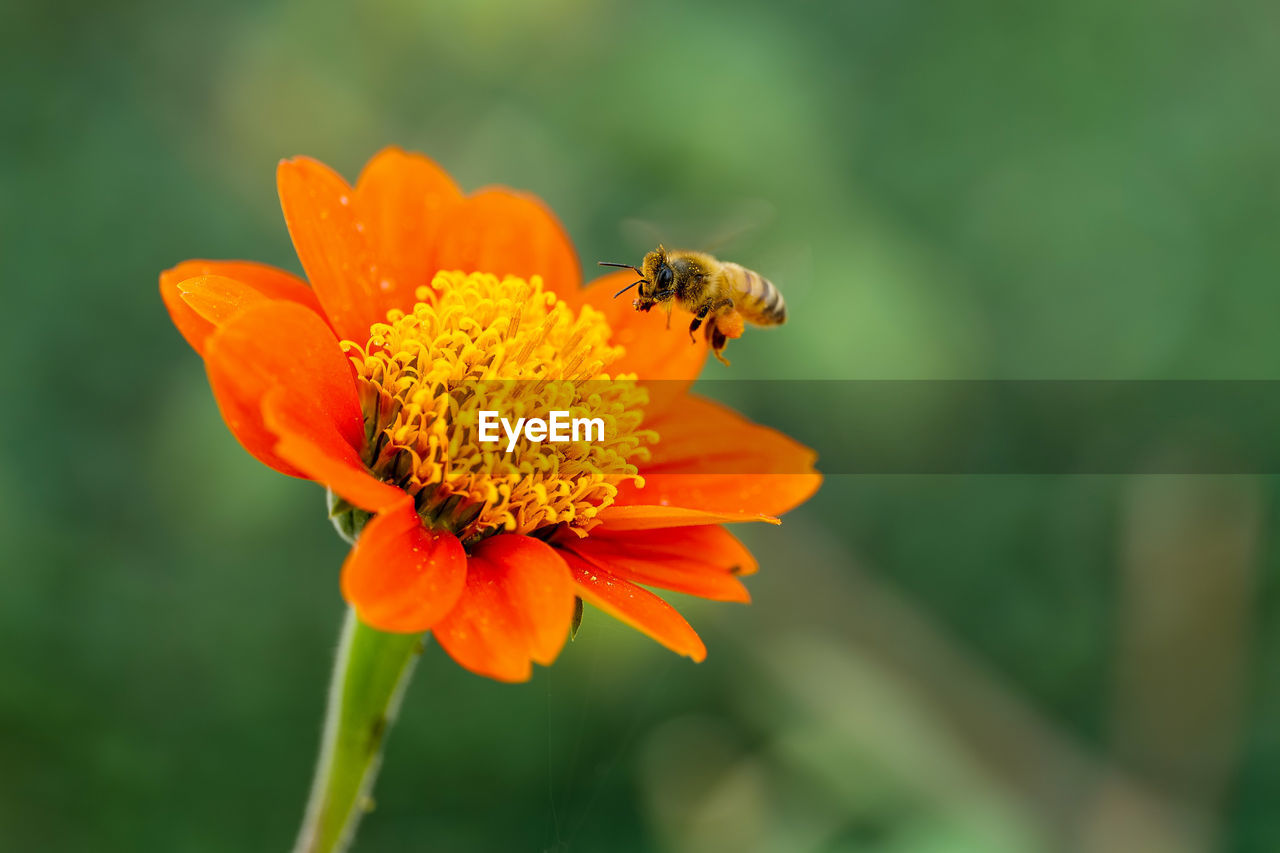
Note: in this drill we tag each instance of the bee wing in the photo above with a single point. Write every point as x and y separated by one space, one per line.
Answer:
639 234
709 232
748 218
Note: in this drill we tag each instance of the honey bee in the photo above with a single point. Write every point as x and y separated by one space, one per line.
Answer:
723 294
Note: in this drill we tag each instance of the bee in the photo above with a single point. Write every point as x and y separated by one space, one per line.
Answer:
722 294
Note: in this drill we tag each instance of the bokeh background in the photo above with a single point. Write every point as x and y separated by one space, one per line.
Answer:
952 663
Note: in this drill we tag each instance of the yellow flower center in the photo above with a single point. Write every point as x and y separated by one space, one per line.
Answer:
476 343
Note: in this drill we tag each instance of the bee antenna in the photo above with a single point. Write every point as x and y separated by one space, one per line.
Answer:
629 286
620 266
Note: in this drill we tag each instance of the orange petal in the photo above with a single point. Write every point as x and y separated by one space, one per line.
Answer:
710 545
748 497
660 558
311 445
400 576
506 233
702 436
268 281
281 345
217 298
402 199
653 351
709 457
651 517
332 244
315 448
516 609
635 606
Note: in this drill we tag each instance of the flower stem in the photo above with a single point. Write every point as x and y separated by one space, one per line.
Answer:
369 677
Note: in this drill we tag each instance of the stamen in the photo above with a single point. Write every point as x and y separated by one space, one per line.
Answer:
475 342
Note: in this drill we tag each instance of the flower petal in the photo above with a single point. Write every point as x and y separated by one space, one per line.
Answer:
635 606
281 345
402 199
400 576
315 448
703 561
651 517
727 497
712 544
538 580
653 351
711 458
507 233
516 609
268 281
217 298
331 243
703 436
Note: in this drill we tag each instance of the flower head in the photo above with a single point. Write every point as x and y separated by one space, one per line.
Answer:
476 342
424 307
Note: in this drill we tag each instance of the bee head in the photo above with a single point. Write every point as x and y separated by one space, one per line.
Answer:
658 277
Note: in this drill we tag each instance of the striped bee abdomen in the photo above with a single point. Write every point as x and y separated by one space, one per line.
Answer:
756 298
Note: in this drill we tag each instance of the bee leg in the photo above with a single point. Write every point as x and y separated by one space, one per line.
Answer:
725 324
718 341
697 321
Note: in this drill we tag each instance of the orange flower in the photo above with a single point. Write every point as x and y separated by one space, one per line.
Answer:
352 382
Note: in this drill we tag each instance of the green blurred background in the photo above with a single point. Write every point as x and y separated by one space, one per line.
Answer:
992 189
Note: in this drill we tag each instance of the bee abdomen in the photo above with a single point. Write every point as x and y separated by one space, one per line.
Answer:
757 299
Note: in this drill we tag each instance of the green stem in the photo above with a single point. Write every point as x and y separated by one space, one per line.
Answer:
369 677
